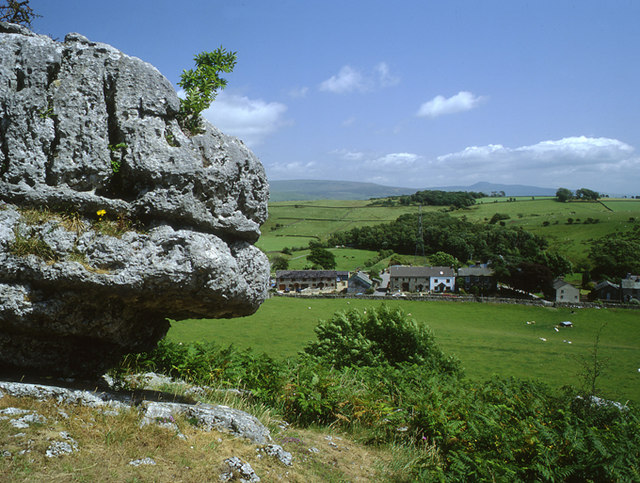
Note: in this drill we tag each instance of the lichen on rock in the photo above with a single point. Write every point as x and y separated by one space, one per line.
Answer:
89 137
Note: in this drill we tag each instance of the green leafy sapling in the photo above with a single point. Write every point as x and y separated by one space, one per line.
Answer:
201 85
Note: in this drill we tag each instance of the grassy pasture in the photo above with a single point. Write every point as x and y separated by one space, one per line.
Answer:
569 239
346 258
489 339
318 219
321 218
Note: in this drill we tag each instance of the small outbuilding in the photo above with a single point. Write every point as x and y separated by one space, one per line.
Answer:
566 323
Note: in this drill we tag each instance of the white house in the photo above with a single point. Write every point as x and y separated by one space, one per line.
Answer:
565 292
421 279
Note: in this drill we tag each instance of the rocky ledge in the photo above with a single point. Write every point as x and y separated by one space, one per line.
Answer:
111 218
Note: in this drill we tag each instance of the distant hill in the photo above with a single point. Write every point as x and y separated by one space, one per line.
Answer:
509 189
306 189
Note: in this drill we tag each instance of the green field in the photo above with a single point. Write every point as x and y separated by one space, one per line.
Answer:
489 339
294 224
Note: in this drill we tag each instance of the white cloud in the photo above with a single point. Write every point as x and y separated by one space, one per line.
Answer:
384 76
580 161
602 164
395 160
348 122
293 170
349 79
349 155
299 92
439 105
572 151
251 120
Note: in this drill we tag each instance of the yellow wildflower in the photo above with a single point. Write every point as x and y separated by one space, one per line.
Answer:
101 213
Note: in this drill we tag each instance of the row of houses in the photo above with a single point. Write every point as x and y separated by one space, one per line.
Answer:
477 279
398 279
315 280
441 279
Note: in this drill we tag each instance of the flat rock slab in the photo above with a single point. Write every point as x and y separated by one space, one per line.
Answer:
205 416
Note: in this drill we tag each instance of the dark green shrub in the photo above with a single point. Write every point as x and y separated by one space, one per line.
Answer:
377 336
497 217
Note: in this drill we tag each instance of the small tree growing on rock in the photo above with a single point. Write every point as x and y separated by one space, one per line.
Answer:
201 86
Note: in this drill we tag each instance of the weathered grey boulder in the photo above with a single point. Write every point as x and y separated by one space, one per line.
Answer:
208 418
111 218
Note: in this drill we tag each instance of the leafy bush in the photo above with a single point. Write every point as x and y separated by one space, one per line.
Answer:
376 337
498 217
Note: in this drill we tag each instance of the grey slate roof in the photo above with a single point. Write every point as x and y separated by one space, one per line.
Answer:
426 272
631 282
560 283
606 283
309 274
475 272
363 277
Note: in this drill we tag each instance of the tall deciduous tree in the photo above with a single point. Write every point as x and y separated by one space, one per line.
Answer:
323 258
279 263
587 194
564 194
615 256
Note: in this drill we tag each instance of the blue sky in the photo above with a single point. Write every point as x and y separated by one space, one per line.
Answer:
407 93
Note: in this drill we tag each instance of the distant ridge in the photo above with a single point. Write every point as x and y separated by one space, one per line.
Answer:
307 189
509 189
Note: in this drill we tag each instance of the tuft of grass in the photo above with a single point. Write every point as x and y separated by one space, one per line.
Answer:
74 222
37 216
33 244
113 227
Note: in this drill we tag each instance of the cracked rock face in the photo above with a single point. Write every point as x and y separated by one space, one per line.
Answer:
111 218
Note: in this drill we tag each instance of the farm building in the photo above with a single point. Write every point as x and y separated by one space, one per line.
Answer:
630 287
565 292
421 279
606 290
359 282
476 280
320 280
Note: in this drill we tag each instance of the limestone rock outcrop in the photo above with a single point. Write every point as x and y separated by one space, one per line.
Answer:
111 218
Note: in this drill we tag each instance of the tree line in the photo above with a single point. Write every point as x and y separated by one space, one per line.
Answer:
458 199
518 257
565 194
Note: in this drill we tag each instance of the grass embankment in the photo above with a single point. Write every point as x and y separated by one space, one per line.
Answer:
294 224
489 339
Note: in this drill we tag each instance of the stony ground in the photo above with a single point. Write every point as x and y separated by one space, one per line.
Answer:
50 433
